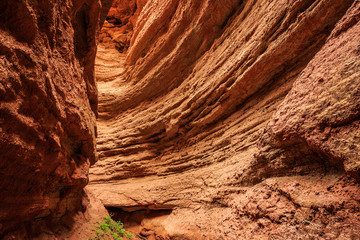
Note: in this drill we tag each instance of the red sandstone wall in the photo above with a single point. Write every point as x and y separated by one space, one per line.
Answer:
241 118
48 103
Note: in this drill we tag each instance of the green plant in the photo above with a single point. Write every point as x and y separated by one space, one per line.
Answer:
111 229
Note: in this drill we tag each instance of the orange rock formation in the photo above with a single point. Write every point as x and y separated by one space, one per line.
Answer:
216 119
120 22
241 118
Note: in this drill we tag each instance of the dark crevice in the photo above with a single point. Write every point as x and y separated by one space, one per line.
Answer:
233 14
80 23
135 221
105 7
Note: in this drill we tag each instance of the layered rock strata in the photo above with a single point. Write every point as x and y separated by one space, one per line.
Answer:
239 117
48 102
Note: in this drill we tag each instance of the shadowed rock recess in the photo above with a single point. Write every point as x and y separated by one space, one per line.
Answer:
231 119
48 101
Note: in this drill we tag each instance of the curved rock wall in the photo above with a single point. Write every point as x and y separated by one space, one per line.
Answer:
240 117
48 102
320 115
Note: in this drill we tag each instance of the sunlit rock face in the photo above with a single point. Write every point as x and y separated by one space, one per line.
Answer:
241 118
48 101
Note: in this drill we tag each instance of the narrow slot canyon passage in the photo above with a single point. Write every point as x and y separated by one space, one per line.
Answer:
185 119
187 144
141 219
109 69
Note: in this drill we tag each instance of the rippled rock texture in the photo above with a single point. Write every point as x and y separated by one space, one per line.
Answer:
48 101
240 118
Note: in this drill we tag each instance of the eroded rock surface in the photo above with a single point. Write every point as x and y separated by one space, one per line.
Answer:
48 102
119 22
320 115
239 117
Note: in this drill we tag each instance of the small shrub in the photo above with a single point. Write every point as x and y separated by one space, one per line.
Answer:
111 229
